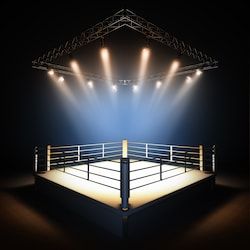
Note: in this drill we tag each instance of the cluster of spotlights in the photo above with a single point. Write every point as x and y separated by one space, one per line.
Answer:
51 72
190 79
198 72
134 88
61 79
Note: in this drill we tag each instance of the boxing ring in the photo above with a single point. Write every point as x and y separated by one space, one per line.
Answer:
124 177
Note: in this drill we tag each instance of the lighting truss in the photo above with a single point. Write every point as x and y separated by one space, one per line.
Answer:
190 69
120 19
68 71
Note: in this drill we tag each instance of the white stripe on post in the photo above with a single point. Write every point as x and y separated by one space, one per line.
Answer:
103 150
213 159
36 159
146 150
201 157
171 153
48 157
78 153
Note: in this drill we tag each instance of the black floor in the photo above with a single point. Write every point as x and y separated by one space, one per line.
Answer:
30 221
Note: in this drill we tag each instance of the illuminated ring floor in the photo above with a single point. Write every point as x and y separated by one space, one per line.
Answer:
138 196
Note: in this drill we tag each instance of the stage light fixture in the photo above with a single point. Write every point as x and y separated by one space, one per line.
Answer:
170 74
198 72
105 57
158 84
175 65
114 88
188 79
61 79
104 54
51 72
90 84
74 65
135 88
145 53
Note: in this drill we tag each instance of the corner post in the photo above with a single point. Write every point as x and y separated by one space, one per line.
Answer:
124 172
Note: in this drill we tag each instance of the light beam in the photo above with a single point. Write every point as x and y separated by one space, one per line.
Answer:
145 54
106 63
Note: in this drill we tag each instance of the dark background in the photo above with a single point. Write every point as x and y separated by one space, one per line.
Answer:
221 33
29 30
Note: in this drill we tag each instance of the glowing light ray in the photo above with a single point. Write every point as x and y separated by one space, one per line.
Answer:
87 86
165 84
173 68
161 87
106 64
144 59
75 67
186 87
63 88
79 75
145 54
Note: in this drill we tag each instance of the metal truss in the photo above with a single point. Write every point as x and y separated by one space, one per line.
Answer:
68 71
190 69
120 19
187 70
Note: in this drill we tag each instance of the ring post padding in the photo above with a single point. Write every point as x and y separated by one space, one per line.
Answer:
124 183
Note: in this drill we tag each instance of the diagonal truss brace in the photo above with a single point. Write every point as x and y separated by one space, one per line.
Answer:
120 19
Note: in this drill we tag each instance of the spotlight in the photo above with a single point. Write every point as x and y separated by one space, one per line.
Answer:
114 87
74 66
170 74
61 79
135 88
158 84
188 79
90 84
145 53
51 72
175 65
198 72
104 54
